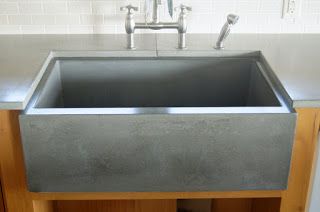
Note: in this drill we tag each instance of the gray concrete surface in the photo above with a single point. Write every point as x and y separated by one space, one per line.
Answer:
131 153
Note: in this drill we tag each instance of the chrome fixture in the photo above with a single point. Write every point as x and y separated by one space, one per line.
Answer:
180 25
231 20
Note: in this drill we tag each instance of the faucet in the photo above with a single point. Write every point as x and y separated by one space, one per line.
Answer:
225 31
156 24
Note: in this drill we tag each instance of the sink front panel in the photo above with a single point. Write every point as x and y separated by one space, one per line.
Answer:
127 153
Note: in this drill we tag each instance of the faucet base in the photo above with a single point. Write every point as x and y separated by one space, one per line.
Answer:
182 41
130 41
218 47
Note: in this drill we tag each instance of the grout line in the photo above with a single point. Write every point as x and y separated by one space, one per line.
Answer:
156 43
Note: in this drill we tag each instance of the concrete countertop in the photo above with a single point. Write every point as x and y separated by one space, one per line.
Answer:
293 57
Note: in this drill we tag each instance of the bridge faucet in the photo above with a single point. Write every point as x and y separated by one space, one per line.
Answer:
225 31
156 24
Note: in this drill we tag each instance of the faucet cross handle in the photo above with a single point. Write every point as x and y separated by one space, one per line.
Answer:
183 8
129 8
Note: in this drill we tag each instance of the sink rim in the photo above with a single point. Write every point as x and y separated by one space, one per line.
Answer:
271 79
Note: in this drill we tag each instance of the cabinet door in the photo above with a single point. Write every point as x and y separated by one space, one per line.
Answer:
1 200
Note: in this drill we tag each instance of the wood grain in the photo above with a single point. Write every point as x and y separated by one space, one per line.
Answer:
154 195
94 205
43 206
314 163
266 205
194 205
246 205
155 205
1 200
117 206
12 167
232 205
295 197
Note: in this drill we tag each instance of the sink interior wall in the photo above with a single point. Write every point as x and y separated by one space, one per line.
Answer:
162 82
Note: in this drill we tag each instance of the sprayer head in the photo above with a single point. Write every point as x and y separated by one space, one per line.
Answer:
232 19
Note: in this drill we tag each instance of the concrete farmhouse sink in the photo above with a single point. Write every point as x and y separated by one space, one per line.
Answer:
120 124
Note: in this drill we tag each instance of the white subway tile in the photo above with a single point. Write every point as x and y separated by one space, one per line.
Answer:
104 16
10 29
201 23
55 8
313 6
311 18
270 6
81 29
32 29
43 19
80 7
254 19
8 8
121 30
104 29
91 19
312 28
104 7
30 8
57 29
203 7
224 7
114 19
247 6
291 27
3 20
19 19
68 19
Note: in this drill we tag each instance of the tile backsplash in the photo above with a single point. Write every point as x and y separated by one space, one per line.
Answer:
104 16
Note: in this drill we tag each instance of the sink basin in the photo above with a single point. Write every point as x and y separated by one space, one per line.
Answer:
164 82
130 124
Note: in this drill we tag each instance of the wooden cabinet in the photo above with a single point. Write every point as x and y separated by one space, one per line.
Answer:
1 200
294 199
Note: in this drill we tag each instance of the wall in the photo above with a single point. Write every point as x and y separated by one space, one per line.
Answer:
103 16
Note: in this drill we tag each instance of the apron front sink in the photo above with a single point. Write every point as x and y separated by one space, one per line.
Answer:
121 124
